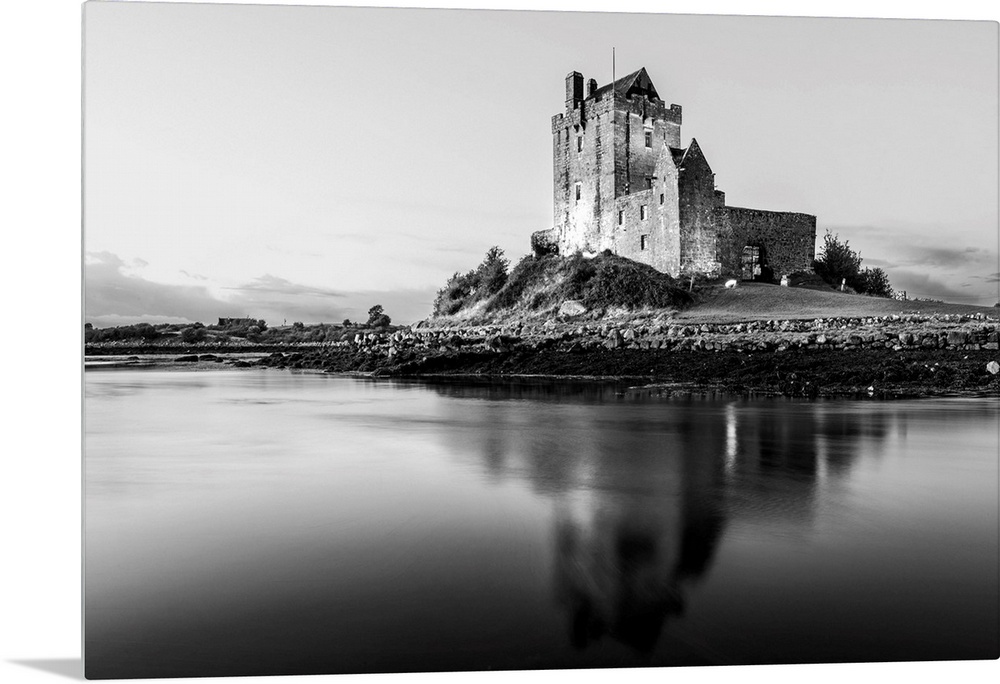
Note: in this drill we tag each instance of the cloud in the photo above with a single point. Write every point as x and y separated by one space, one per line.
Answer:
944 257
275 285
116 296
923 285
110 291
195 276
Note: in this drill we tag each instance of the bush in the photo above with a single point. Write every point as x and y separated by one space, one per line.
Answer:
491 275
838 263
454 295
139 331
615 281
377 317
527 272
464 290
196 333
874 282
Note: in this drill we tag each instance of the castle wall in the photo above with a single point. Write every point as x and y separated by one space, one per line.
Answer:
633 160
788 238
583 163
655 239
698 205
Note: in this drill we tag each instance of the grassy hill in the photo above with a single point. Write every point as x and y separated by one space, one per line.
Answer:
613 287
759 301
538 286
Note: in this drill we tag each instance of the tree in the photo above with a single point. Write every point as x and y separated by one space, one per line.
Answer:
873 281
196 333
377 317
492 273
837 261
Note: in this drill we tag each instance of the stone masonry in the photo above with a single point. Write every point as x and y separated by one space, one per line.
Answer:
622 182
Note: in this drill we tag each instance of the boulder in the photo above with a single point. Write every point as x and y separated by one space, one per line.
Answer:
957 337
993 367
572 307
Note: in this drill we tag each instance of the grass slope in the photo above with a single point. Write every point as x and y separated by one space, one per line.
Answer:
758 301
537 287
613 287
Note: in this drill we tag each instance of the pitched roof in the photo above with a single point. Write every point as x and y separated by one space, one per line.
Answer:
693 151
626 85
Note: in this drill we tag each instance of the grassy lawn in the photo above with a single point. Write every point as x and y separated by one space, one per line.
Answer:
758 301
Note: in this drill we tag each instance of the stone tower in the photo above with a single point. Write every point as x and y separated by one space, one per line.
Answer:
622 182
614 178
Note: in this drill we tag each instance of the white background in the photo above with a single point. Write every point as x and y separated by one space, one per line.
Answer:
40 612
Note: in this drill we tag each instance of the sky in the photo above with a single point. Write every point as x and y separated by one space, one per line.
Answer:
306 163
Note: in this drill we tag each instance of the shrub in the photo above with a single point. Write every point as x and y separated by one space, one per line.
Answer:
464 290
837 261
874 282
377 317
140 331
196 333
527 272
454 295
491 275
616 281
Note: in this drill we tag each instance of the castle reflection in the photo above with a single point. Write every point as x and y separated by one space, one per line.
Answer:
644 488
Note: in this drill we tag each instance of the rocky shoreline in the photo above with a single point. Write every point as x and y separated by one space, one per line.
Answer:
888 356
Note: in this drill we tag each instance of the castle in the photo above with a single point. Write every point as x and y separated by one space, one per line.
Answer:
622 182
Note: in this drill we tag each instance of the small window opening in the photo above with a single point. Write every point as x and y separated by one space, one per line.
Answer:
642 212
621 217
649 138
649 182
643 241
579 143
661 198
579 191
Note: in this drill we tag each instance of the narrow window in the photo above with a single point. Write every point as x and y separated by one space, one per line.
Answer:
579 143
621 217
649 182
661 198
649 138
643 241
578 191
642 212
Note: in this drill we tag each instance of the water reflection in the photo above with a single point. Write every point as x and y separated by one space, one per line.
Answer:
643 490
266 522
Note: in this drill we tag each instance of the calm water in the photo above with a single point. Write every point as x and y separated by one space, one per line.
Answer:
264 522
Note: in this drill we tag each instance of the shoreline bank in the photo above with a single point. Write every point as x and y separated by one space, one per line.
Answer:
792 373
888 356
